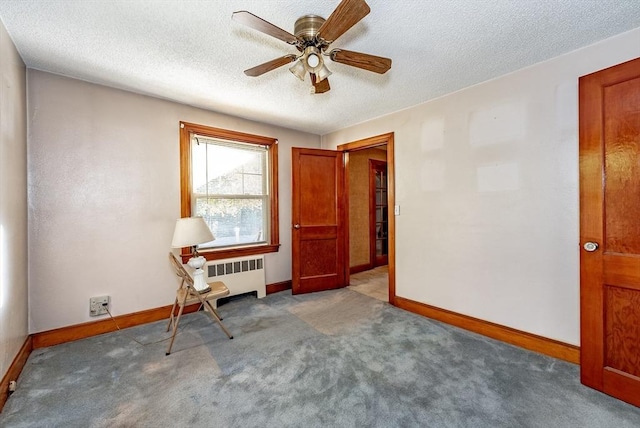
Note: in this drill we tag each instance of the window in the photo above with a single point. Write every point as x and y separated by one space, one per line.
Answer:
231 180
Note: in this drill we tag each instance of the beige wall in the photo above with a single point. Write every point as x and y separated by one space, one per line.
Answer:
359 204
486 179
105 192
13 203
487 183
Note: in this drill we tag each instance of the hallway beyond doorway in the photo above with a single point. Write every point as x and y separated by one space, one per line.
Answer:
373 283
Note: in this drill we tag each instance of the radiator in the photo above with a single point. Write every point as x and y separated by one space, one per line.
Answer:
241 275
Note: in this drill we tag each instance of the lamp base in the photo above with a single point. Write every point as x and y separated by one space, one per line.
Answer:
205 291
199 283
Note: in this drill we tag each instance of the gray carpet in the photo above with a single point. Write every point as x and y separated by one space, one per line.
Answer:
332 359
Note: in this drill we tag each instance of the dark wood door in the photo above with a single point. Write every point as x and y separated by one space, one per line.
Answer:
610 230
378 213
318 239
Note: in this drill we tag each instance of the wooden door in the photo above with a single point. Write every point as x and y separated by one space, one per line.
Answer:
318 235
610 230
378 214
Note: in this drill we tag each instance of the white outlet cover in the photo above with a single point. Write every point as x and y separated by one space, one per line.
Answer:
96 305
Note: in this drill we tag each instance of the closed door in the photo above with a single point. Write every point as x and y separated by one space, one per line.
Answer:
610 230
318 234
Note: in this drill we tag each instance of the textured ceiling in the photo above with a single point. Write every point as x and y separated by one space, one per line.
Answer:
192 52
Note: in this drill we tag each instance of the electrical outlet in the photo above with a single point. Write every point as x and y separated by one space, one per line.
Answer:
98 305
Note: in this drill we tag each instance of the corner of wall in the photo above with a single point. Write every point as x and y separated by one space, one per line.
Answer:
14 303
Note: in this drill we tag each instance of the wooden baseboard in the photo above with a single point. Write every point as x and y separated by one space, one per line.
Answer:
278 286
532 342
360 268
15 369
94 328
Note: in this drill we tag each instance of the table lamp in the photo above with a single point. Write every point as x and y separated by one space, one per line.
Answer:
189 232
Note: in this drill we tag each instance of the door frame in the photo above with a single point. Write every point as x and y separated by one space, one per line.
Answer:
368 143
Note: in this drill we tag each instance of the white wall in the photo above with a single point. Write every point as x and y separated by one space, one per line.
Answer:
487 181
13 202
104 194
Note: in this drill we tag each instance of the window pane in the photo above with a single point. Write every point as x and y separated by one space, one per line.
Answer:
228 184
381 247
254 164
233 221
223 169
253 184
199 166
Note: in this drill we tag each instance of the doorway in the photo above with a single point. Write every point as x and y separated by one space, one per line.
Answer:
320 216
370 228
366 188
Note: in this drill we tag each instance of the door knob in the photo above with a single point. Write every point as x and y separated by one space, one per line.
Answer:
590 246
296 226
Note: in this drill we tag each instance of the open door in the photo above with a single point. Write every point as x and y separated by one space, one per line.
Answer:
318 235
610 231
378 214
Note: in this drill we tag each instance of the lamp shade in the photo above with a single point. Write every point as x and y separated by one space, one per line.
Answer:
298 70
323 73
191 231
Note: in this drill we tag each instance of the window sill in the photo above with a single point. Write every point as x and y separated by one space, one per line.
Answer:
234 252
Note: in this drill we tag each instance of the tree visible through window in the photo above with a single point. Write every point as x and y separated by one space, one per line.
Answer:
232 183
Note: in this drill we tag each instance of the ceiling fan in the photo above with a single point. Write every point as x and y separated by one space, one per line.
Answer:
313 35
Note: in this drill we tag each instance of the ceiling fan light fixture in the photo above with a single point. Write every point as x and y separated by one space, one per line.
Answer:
323 73
298 69
312 58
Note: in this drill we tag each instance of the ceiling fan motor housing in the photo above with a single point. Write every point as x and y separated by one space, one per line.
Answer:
306 28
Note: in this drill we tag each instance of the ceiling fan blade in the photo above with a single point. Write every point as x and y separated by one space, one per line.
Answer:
320 87
346 15
377 64
257 23
270 65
